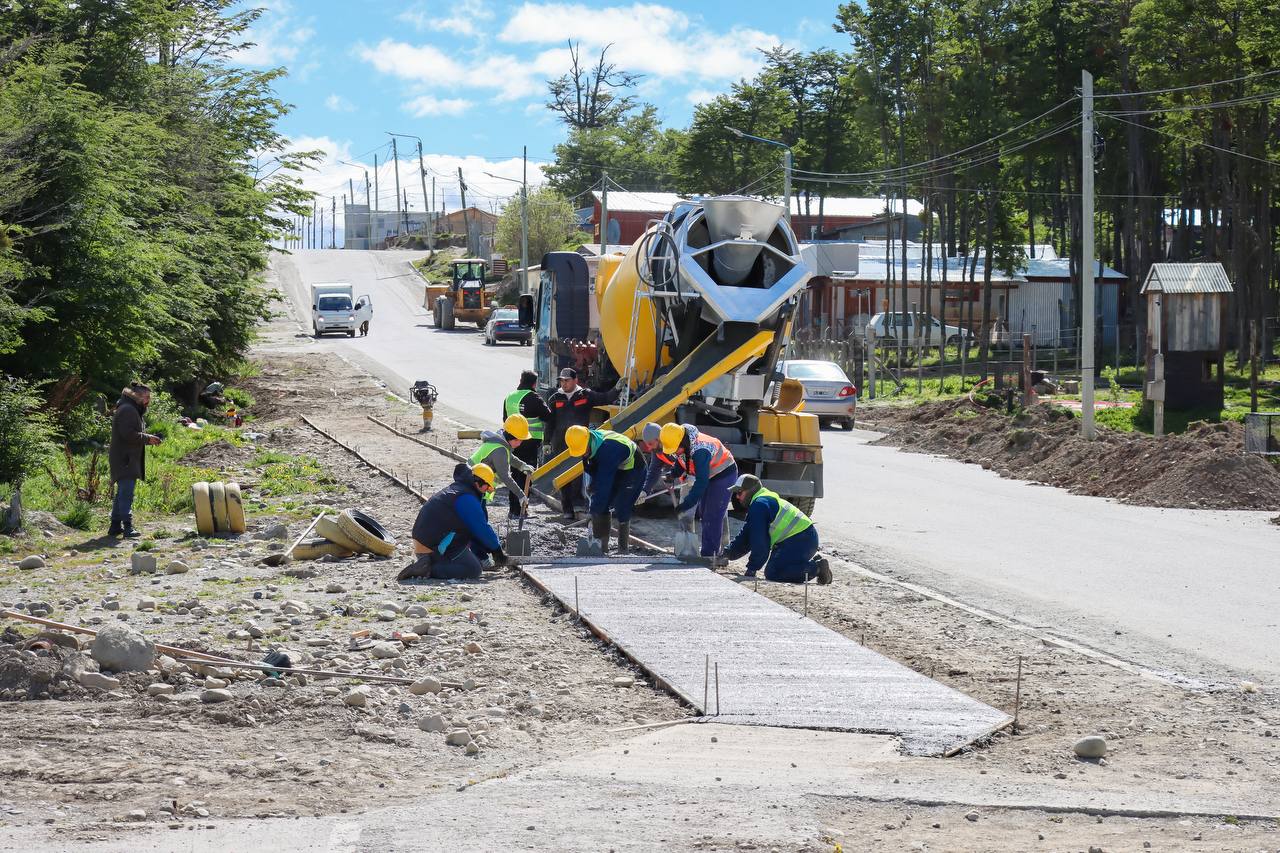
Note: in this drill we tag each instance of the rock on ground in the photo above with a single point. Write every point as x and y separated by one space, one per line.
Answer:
119 648
1093 746
141 563
33 562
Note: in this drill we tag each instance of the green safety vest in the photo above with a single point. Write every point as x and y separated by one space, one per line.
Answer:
610 435
788 522
482 453
511 406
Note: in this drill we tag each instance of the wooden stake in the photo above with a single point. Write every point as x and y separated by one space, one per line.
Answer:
717 688
806 598
577 611
297 541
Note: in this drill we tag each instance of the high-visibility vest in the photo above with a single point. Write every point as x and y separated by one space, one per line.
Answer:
610 435
788 522
721 458
482 453
511 406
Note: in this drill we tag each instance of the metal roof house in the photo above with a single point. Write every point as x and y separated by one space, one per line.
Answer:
1186 322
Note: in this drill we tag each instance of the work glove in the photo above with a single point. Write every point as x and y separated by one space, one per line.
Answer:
500 557
641 498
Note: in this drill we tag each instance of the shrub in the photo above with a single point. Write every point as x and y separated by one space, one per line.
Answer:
79 516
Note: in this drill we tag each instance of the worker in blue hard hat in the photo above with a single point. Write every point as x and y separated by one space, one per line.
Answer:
778 537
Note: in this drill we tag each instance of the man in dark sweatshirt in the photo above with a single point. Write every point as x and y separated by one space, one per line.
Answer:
571 405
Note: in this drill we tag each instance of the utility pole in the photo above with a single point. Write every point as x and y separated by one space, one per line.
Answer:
433 212
1086 255
466 220
368 214
524 221
426 222
321 235
333 223
377 200
314 210
395 155
604 213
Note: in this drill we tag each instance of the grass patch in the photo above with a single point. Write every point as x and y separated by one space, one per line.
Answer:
283 474
79 515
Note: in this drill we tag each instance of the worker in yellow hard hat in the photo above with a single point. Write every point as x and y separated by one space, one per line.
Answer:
616 468
495 451
685 450
451 533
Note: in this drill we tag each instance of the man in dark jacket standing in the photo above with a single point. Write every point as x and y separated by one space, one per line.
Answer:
127 455
571 405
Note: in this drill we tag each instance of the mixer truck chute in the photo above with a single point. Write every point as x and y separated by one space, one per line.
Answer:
694 316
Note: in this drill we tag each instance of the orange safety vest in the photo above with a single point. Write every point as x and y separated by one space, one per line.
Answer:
721 458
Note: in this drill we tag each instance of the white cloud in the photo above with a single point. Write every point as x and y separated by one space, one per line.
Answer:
700 96
462 18
429 105
422 63
339 104
276 38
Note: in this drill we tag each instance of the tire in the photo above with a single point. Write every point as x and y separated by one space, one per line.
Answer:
847 423
823 423
488 341
314 549
446 315
805 505
366 532
203 509
315 333
235 509
435 313
327 528
480 324
218 500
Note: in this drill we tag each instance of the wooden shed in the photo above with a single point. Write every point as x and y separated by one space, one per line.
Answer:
1186 321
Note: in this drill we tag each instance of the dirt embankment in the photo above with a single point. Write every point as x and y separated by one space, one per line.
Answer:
1204 468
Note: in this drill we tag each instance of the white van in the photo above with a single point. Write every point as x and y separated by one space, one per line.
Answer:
332 308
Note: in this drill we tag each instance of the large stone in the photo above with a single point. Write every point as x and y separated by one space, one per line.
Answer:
146 604
473 648
458 737
434 723
142 563
98 681
386 650
275 531
77 664
416 611
159 688
423 686
119 648
214 696
33 562
1093 746
357 697
176 567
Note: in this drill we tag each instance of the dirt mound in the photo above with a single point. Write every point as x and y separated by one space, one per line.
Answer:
219 454
35 673
1204 468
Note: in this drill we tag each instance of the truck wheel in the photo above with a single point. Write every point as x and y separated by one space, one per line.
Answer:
805 505
446 315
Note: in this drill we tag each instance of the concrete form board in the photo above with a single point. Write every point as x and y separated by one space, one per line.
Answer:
776 667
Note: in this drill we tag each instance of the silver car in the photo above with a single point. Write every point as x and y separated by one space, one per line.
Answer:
828 393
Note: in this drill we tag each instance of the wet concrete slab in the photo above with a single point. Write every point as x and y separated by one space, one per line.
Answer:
776 667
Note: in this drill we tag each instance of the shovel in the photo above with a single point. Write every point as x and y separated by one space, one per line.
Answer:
520 541
686 543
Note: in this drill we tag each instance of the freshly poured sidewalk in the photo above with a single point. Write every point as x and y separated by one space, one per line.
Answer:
776 667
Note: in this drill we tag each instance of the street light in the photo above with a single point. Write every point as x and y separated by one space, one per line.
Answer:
524 228
786 165
427 224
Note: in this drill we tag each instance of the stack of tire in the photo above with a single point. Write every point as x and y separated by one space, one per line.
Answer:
346 534
219 509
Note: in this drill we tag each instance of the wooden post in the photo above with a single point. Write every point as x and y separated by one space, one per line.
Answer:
1028 395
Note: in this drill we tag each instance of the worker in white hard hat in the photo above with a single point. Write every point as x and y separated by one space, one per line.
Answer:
616 468
495 451
778 537
451 533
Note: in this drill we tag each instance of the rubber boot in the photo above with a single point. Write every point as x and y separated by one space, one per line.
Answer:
600 531
624 537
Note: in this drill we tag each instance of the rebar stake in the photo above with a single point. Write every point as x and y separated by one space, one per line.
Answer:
717 688
1017 694
806 598
706 684
577 611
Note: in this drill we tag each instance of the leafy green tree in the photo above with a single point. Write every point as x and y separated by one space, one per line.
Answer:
637 152
551 223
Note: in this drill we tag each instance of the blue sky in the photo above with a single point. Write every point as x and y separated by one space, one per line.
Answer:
468 77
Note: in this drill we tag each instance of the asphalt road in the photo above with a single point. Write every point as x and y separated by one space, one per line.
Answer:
1190 592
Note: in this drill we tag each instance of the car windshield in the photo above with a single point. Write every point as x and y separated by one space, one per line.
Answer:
335 303
816 370
506 314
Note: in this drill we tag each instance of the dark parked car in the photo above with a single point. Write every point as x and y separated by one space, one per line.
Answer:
504 325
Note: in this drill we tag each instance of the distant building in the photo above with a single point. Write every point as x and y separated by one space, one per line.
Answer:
630 213
358 224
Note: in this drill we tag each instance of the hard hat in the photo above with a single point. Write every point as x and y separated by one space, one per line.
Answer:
484 474
671 435
746 482
577 438
517 425
651 432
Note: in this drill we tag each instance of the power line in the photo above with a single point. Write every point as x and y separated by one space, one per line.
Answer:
1257 76
1196 142
1260 98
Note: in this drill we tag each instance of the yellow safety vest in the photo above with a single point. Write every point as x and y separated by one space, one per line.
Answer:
788 522
610 435
511 406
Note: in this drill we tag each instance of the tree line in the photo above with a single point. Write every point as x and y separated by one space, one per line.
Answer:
972 108
141 178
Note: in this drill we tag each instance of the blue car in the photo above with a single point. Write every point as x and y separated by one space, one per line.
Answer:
504 325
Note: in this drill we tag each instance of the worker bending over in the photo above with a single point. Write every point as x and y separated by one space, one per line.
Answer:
685 450
525 401
495 450
451 534
778 536
617 471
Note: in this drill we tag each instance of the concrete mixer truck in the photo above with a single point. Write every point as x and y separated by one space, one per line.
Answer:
694 317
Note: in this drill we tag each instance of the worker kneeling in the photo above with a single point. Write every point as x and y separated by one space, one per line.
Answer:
778 536
616 467
451 535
